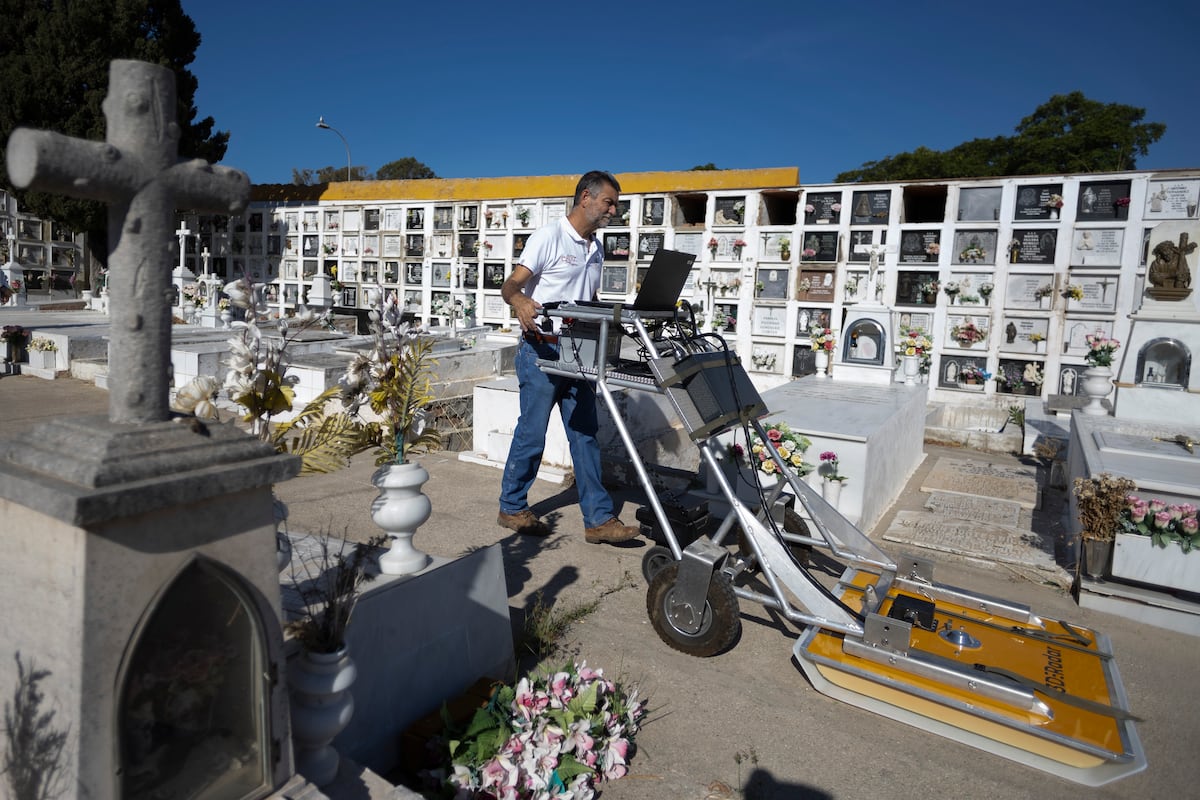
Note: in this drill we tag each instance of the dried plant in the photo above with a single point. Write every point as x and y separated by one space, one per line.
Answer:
328 583
1101 499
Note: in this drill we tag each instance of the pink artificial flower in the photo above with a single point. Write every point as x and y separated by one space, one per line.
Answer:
1189 525
579 738
615 751
1157 506
1175 511
1162 519
829 455
774 435
1137 513
1187 509
500 773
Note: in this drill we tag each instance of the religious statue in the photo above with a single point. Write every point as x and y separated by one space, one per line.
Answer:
1169 273
1010 333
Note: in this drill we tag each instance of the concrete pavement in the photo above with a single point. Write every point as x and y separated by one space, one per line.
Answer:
744 723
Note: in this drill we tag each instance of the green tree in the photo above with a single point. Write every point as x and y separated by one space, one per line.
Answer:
407 168
309 177
54 61
709 166
1067 133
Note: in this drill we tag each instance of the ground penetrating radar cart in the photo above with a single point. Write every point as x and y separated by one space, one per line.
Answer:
887 638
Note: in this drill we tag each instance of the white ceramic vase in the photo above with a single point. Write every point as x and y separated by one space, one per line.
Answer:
321 706
822 362
399 510
1097 383
831 491
912 369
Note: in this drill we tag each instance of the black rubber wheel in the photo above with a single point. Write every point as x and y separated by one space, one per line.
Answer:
655 559
720 623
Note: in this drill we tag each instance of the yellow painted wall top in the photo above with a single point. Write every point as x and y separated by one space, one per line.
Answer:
531 186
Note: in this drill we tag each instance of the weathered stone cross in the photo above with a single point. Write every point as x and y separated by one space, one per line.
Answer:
137 171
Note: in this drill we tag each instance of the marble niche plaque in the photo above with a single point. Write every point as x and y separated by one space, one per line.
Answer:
494 306
1033 202
1018 332
819 246
774 282
1099 294
616 246
769 321
1103 200
822 208
689 243
974 247
865 238
1033 246
871 207
615 279
1022 291
1076 331
649 244
920 247
1175 199
1097 247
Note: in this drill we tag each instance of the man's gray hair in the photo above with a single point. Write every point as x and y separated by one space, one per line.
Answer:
593 181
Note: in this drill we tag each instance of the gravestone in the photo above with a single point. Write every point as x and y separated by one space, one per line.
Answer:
122 528
963 476
969 507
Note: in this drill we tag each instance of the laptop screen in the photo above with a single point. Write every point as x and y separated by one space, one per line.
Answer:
664 280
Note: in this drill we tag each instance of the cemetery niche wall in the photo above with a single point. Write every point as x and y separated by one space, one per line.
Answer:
1056 257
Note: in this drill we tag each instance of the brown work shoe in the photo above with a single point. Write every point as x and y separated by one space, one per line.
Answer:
612 531
523 522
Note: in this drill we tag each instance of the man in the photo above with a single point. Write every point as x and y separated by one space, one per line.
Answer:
561 263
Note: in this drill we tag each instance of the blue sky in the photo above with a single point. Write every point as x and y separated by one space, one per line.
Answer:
528 87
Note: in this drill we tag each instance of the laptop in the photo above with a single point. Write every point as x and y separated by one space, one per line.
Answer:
664 280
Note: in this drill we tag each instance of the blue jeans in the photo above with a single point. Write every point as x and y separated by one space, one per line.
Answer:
576 401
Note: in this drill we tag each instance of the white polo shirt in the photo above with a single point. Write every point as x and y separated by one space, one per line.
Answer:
565 266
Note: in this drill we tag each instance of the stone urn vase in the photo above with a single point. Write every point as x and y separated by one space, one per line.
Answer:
1097 383
912 369
321 706
399 510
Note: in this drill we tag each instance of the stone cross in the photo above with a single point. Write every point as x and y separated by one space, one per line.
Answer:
183 233
204 256
138 173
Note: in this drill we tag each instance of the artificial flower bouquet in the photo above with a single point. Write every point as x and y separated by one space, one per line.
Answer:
822 338
1162 522
967 334
972 373
1100 349
553 735
831 458
789 444
914 342
1073 292
1055 201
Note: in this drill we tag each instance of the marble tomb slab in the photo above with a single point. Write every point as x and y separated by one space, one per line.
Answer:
1130 445
977 540
962 476
971 507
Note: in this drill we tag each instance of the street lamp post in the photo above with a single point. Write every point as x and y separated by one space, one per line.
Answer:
322 124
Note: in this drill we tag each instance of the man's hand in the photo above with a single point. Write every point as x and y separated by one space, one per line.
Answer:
526 308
